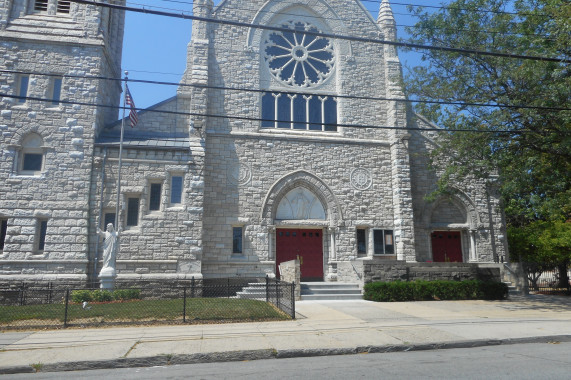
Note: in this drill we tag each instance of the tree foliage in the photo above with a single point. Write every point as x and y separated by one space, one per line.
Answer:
533 158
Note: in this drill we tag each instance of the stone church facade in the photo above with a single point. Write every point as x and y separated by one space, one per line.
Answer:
280 144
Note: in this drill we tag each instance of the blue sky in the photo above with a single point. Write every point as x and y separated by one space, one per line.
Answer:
154 47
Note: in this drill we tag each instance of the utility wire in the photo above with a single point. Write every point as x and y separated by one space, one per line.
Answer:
380 23
325 35
256 119
263 91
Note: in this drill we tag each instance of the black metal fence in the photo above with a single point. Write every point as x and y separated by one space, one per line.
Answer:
41 305
548 281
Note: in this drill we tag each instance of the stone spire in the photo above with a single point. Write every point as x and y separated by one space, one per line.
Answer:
386 21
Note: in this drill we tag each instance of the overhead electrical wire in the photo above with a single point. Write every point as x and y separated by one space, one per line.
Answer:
326 35
333 95
256 119
281 13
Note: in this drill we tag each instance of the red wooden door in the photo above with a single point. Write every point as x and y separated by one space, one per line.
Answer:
446 247
305 244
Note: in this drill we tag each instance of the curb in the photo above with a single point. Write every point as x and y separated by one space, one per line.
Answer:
230 356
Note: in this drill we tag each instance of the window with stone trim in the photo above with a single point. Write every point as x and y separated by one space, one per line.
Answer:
361 241
55 85
23 83
176 189
300 60
237 240
109 217
41 233
133 211
3 229
299 111
383 242
155 196
31 155
52 6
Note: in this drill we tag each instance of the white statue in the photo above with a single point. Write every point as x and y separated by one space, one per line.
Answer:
109 247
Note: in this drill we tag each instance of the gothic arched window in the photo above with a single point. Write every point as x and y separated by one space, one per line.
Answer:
299 60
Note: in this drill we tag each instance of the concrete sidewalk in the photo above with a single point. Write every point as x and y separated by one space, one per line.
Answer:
322 328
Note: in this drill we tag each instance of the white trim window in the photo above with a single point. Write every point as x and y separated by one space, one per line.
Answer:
32 155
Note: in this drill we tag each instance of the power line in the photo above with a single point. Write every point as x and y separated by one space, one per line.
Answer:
255 119
332 95
396 13
326 35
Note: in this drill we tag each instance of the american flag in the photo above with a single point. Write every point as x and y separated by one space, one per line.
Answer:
133 112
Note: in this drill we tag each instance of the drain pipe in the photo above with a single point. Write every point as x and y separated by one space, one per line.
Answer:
100 212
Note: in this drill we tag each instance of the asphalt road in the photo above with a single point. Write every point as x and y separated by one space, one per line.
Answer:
519 361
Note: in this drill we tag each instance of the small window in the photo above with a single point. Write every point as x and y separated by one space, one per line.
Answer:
41 5
56 91
383 242
237 237
176 189
155 197
132 212
361 241
3 229
108 218
32 155
41 235
63 6
23 88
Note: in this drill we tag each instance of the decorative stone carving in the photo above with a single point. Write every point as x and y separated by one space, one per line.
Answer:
298 59
239 174
300 204
361 179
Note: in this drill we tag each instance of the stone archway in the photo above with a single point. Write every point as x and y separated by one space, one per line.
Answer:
302 214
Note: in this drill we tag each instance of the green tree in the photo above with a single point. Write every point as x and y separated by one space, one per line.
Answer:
526 136
534 158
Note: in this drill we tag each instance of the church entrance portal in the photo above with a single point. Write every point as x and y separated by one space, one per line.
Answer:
302 243
446 247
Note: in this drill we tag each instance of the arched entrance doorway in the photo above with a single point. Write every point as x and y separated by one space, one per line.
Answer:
302 208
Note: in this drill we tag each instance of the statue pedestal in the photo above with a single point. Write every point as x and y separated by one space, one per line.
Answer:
107 278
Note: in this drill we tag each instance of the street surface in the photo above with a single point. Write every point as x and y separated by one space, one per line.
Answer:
519 361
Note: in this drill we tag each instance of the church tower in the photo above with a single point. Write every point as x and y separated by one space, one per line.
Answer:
53 104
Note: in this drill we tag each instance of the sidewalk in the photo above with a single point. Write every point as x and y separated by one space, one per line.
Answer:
322 328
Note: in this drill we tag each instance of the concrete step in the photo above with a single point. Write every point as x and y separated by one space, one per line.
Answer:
330 291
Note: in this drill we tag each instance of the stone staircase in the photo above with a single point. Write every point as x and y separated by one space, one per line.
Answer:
254 290
327 291
512 289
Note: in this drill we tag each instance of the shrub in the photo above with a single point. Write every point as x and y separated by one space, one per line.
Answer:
102 296
434 290
80 296
126 294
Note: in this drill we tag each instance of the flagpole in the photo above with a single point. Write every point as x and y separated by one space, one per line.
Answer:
118 205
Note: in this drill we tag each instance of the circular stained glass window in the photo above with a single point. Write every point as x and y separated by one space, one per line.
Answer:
297 58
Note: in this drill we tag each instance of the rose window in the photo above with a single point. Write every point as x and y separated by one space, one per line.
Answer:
299 59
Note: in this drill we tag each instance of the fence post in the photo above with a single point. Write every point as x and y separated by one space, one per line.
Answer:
277 294
267 289
22 291
228 287
293 300
192 287
66 305
184 305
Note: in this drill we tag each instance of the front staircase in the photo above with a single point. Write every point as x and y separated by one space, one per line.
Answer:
328 291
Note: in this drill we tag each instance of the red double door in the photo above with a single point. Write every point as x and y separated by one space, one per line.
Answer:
446 247
307 245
